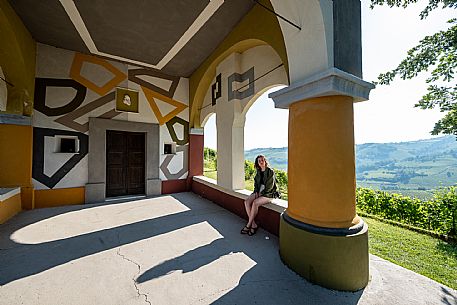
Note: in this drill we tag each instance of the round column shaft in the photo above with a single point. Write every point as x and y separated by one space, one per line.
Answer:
321 162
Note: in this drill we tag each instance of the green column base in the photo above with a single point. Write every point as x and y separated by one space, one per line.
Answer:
328 257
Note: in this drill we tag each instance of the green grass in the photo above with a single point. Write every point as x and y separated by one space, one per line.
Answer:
210 173
420 253
249 184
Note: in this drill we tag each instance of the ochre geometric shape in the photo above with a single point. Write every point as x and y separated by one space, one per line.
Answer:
150 95
75 73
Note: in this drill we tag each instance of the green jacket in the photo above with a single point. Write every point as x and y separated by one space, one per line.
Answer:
269 182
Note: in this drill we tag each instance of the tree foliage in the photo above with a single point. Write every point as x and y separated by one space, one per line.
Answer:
437 214
437 52
249 170
209 158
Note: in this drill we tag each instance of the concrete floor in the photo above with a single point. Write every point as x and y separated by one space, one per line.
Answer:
178 249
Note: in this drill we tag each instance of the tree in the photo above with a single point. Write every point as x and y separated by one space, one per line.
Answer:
249 170
437 52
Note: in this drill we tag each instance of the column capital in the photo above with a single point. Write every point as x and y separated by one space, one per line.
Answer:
15 119
330 82
197 131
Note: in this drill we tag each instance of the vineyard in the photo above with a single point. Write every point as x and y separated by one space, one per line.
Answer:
436 214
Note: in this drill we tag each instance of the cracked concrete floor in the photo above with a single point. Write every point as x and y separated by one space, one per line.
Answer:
178 249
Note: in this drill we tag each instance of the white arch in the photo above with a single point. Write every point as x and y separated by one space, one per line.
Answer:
206 118
309 50
257 95
266 70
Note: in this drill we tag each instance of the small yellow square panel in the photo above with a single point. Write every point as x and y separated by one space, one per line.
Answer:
126 100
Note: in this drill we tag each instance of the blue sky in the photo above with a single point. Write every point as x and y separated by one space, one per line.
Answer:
389 115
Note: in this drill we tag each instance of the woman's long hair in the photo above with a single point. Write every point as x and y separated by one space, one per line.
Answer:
256 163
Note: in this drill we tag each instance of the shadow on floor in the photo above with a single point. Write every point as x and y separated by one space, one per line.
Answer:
448 298
267 282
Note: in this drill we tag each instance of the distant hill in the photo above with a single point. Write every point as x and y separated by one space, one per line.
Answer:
277 157
412 168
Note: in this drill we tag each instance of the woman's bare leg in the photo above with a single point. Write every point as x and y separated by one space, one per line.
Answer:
255 209
248 204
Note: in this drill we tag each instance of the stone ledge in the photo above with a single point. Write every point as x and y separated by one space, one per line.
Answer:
6 193
15 119
277 205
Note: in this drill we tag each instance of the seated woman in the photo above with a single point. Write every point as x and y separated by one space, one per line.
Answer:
265 190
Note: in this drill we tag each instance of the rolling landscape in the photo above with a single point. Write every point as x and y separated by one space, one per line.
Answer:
414 168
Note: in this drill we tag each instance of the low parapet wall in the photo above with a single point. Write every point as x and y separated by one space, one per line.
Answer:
233 200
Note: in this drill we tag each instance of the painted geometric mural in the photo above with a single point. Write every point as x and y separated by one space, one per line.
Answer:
171 129
139 77
239 78
216 89
246 92
41 85
168 159
77 66
69 119
154 97
72 87
38 169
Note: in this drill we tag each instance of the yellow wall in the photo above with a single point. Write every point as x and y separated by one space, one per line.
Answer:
59 197
17 59
258 27
16 160
10 207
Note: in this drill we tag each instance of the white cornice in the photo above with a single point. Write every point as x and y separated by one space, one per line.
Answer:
330 82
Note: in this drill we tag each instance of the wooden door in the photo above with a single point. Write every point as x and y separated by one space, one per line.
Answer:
125 163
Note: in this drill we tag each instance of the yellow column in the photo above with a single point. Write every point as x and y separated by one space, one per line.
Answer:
320 235
17 60
16 160
321 162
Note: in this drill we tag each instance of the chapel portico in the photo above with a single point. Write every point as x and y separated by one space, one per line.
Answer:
69 135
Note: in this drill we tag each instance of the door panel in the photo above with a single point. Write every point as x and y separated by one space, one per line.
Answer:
136 163
125 163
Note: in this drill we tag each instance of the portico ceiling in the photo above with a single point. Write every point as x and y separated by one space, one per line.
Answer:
174 36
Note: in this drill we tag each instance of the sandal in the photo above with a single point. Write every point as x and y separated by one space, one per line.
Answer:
245 230
252 231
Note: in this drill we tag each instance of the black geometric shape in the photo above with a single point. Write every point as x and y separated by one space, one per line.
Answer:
158 74
216 94
172 131
38 155
40 95
236 77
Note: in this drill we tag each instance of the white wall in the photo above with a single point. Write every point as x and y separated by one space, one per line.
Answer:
57 63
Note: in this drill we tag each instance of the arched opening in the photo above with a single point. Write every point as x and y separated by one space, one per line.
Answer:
265 132
241 79
210 146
